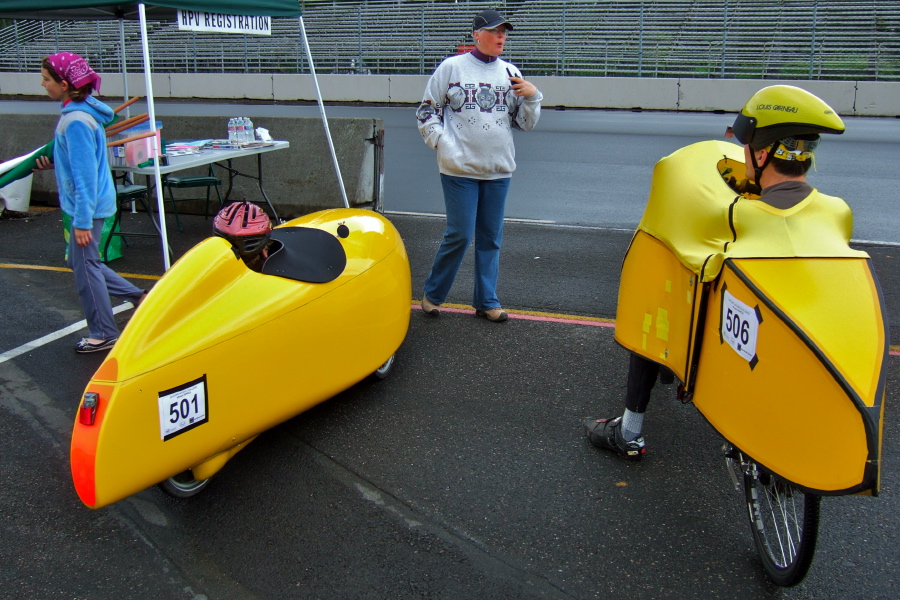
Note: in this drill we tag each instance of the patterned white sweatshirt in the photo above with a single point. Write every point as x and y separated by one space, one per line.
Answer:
467 115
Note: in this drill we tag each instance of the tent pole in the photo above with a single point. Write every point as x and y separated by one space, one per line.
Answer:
151 112
124 66
312 70
125 84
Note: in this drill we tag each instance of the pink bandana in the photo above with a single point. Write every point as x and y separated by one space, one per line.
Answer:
74 69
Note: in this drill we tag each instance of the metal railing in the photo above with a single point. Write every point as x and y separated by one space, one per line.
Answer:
796 39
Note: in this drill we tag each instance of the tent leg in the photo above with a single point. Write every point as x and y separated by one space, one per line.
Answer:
312 70
151 112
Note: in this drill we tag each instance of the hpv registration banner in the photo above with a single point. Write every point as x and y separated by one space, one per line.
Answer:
194 20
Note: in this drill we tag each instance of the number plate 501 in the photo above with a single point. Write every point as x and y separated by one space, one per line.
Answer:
182 408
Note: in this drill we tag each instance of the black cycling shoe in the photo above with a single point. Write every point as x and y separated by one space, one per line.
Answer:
605 433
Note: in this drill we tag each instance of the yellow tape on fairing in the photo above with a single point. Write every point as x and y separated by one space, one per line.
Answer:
653 318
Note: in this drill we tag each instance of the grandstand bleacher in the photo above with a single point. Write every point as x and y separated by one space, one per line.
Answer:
761 39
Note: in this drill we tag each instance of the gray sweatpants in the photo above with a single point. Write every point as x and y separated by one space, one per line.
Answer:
95 283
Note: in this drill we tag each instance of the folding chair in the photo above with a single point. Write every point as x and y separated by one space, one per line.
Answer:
126 194
193 181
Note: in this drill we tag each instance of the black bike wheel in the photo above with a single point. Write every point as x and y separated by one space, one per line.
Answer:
383 371
183 485
785 525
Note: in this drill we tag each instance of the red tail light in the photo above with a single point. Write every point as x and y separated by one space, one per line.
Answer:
88 411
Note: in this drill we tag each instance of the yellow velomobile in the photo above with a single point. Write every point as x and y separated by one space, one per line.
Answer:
775 326
218 353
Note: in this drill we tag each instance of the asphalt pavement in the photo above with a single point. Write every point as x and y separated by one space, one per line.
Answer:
464 474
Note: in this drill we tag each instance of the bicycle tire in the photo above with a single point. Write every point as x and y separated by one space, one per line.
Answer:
385 369
183 485
785 525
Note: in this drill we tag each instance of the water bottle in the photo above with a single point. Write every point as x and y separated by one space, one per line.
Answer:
239 130
248 127
232 130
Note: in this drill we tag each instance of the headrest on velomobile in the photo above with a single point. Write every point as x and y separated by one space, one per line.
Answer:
694 212
306 254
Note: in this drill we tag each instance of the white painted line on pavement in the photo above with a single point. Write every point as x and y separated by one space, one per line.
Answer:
52 337
594 227
876 243
514 220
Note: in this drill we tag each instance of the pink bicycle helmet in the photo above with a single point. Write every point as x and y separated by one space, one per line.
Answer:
245 226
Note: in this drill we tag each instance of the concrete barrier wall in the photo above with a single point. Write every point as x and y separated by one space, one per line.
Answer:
850 98
302 178
298 180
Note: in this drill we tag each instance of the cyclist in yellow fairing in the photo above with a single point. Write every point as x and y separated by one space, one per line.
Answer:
779 128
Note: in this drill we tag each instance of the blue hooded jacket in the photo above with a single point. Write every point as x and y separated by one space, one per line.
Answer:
86 189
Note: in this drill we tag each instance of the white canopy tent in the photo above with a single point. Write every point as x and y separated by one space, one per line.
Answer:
160 10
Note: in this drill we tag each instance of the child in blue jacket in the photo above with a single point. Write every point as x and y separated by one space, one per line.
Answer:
87 193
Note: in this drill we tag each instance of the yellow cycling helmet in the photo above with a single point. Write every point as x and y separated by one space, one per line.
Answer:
788 119
783 111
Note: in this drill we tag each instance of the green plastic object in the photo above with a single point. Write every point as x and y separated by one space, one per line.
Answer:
23 169
115 245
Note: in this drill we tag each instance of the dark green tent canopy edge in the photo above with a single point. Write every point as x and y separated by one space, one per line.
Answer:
155 9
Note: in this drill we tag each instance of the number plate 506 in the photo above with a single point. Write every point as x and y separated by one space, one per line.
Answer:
740 327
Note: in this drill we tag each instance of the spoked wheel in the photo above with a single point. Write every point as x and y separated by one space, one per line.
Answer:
785 524
183 485
382 371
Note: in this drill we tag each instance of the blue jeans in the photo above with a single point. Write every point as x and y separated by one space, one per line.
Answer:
95 282
475 208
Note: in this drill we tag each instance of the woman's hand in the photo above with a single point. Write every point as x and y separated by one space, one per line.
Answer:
522 88
43 163
83 237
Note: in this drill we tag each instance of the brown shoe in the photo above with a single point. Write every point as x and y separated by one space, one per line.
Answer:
429 307
497 315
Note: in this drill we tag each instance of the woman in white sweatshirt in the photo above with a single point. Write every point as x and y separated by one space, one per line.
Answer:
470 106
